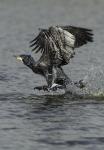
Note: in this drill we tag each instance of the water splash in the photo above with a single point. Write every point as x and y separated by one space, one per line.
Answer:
94 83
57 92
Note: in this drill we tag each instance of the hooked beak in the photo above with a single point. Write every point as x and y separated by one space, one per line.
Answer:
18 58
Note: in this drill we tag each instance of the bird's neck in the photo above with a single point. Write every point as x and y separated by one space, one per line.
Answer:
37 69
31 63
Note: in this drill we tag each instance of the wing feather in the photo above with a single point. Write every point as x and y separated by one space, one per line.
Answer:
82 35
59 42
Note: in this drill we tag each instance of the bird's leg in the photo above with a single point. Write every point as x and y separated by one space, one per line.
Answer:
55 87
49 76
49 80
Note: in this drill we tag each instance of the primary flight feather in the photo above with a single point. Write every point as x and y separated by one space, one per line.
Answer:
59 42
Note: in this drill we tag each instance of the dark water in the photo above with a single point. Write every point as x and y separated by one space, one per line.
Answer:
29 122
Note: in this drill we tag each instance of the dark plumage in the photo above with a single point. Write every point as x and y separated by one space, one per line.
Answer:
57 46
29 61
40 68
59 42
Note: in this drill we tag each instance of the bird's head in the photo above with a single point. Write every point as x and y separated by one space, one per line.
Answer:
26 59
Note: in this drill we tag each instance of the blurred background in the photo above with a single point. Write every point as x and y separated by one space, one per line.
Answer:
19 23
29 122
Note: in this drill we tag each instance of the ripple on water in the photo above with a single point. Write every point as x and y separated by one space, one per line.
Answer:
63 122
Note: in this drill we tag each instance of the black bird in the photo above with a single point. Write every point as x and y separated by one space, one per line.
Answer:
61 80
57 44
39 67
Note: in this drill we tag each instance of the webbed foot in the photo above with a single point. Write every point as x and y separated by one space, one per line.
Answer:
55 87
44 87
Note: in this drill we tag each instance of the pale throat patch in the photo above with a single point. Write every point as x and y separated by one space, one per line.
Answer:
19 58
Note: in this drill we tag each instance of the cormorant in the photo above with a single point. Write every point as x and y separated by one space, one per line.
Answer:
60 78
57 44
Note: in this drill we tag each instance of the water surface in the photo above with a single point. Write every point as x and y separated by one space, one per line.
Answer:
30 122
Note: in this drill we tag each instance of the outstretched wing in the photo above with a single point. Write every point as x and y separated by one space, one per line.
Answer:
82 35
59 42
48 42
